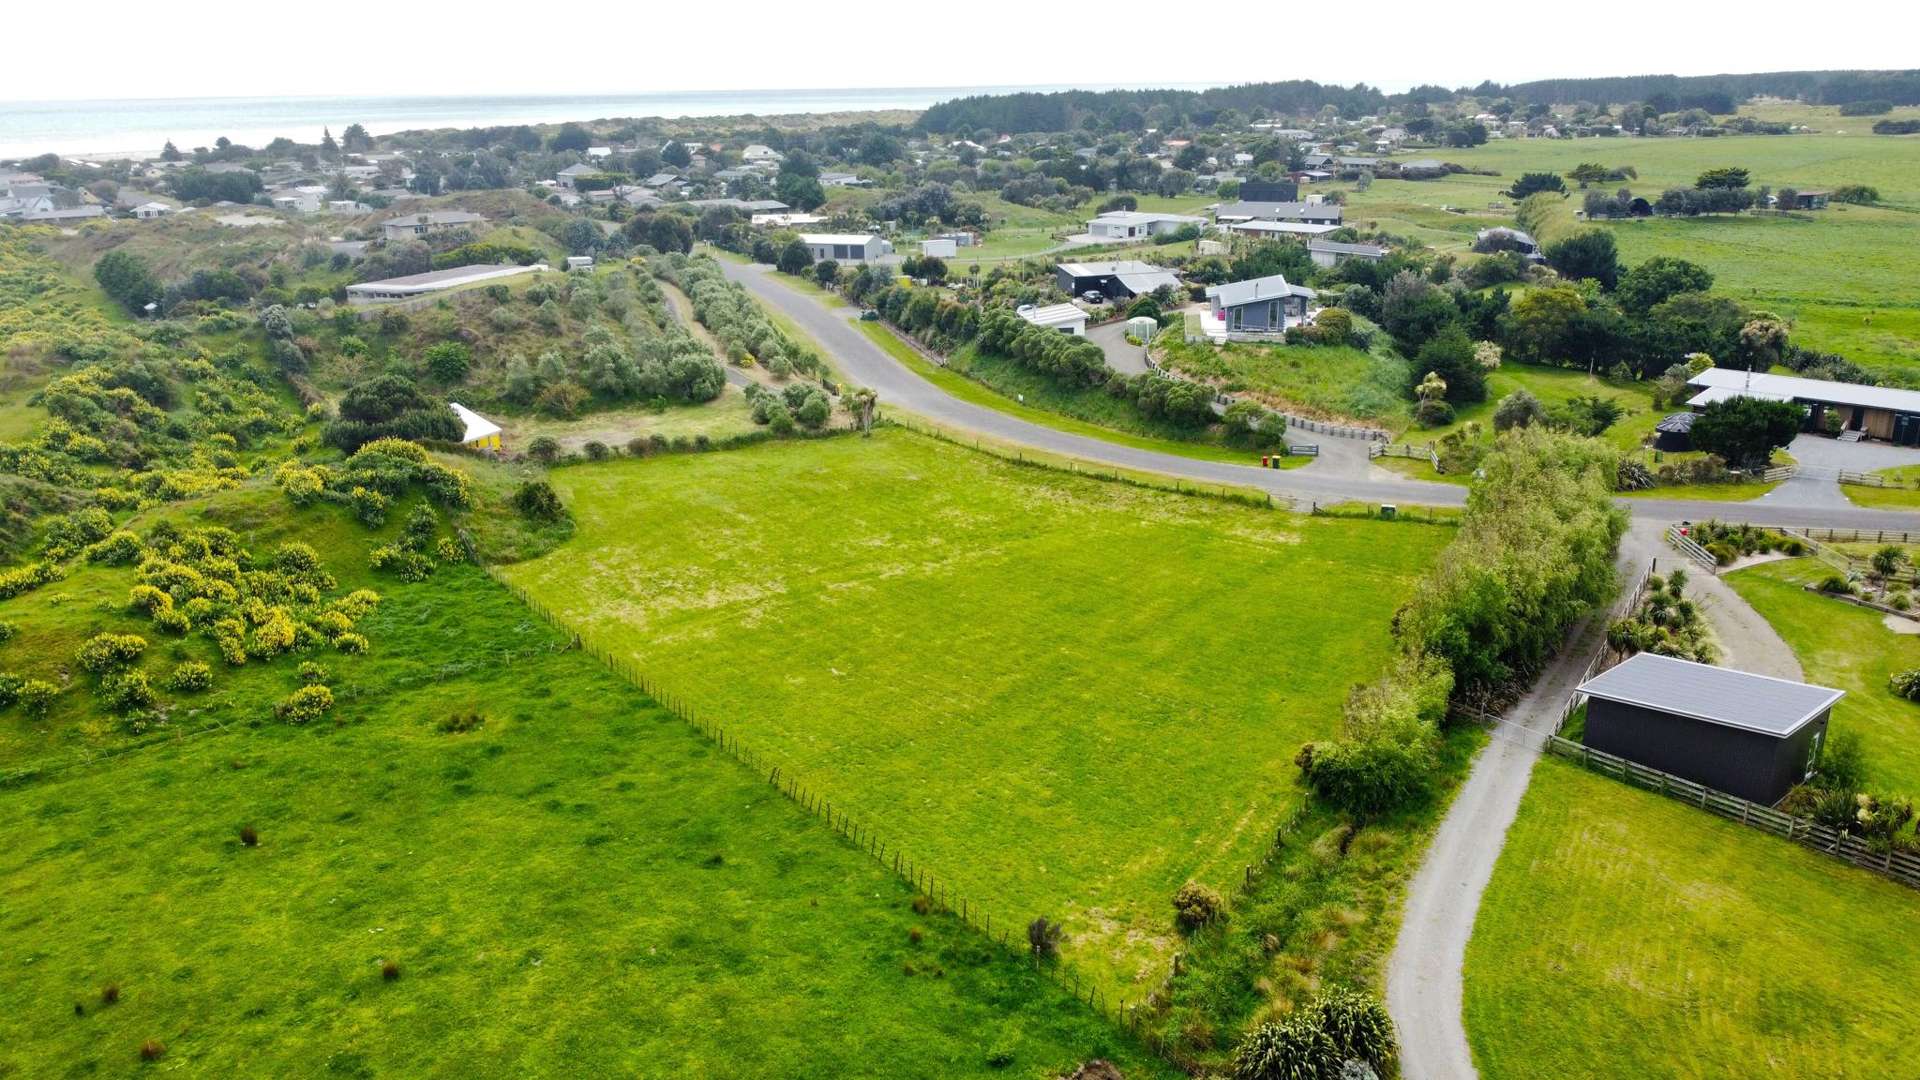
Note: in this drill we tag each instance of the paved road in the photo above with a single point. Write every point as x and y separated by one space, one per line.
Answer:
865 363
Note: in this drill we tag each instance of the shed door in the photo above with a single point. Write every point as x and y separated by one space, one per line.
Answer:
1813 753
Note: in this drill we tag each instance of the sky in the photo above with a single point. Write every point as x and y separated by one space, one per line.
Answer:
198 49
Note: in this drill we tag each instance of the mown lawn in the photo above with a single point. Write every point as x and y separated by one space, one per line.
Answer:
1848 648
1896 498
581 886
1064 696
1625 934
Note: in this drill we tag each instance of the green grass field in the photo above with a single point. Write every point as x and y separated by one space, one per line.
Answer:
1841 274
1625 934
1848 648
581 886
1896 498
1025 679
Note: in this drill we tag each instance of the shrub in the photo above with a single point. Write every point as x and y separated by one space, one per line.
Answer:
537 501
461 723
36 698
8 631
597 450
1832 583
544 448
309 673
305 704
1433 413
126 691
1195 905
1318 1041
151 1050
249 836
120 549
109 652
389 970
1043 938
189 676
351 644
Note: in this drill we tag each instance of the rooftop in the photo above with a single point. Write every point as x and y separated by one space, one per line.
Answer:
1105 269
442 278
837 238
1142 217
1053 315
1735 699
1279 210
1732 382
1272 287
1292 228
1371 251
437 217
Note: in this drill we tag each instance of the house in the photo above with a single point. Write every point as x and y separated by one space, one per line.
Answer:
842 179
1065 318
1259 306
1866 412
1748 735
151 210
1133 224
939 249
1502 238
57 215
1810 200
1113 280
1310 212
307 199
570 176
661 180
579 262
758 153
1271 230
1330 253
477 431
414 285
728 176
598 152
403 228
845 247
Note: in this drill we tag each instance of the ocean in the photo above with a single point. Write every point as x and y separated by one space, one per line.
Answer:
138 128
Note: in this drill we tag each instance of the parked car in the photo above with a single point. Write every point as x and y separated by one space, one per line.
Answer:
869 315
1094 296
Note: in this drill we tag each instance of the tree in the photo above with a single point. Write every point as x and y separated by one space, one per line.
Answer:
669 233
171 152
1747 430
795 257
355 139
1724 177
1448 356
675 154
1659 278
798 191
1763 341
861 402
126 278
826 272
1519 409
1589 254
1535 182
1412 309
571 138
583 237
390 405
329 149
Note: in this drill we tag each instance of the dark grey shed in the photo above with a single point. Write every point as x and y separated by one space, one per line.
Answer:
1674 432
1749 735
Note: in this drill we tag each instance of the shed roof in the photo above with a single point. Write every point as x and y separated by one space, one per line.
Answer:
1735 699
1105 269
849 239
477 427
1054 315
1679 423
1289 228
1281 211
1371 251
437 217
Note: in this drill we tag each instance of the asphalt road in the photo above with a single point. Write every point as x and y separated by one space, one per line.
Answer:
865 363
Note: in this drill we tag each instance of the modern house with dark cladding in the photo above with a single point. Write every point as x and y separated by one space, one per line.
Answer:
1749 735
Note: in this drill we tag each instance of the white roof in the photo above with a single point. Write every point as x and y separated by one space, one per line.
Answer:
1300 228
1714 394
1732 382
838 238
1054 315
478 427
1141 217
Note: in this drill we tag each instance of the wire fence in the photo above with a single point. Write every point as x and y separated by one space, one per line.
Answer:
939 896
1225 492
1900 866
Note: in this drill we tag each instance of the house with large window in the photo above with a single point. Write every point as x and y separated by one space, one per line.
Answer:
846 247
1265 305
416 225
1139 225
1866 412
